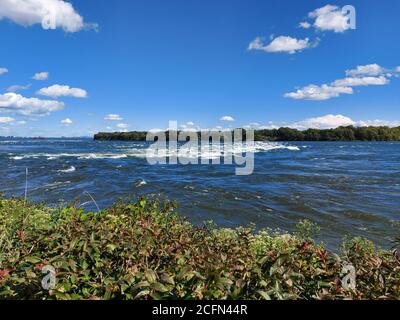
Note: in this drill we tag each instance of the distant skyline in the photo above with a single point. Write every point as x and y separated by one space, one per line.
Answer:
76 67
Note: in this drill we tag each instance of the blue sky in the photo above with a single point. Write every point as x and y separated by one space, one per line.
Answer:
196 61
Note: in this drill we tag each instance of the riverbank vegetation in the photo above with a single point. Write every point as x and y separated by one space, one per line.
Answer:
145 250
288 134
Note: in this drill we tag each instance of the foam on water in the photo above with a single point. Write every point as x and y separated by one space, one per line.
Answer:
69 170
81 156
216 151
205 151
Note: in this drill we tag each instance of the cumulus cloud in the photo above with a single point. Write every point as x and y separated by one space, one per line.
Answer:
12 102
255 126
377 123
227 119
325 122
122 126
113 117
66 122
16 88
50 14
330 18
334 121
281 44
186 128
329 121
361 76
314 92
6 119
57 90
41 76
364 81
367 70
189 126
3 70
305 25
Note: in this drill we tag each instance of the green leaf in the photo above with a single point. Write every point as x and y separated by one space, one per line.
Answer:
142 203
33 260
167 279
142 294
264 295
30 274
157 286
150 275
322 284
141 284
111 247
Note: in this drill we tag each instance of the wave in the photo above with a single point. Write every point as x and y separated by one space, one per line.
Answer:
69 170
215 151
102 156
140 183
84 156
211 151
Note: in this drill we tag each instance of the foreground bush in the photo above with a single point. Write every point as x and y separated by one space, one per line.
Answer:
146 251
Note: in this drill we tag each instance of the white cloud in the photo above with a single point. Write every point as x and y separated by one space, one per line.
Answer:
3 70
368 75
330 18
325 122
157 130
254 126
188 129
122 126
113 117
364 81
50 14
227 119
189 126
57 90
377 123
329 121
314 92
305 25
12 102
281 44
6 119
66 122
41 76
16 88
367 70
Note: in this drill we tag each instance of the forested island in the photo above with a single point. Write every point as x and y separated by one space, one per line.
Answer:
349 133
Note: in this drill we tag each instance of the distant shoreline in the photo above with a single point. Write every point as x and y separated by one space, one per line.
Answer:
285 134
343 134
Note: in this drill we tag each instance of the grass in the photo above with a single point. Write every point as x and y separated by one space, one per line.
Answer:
145 250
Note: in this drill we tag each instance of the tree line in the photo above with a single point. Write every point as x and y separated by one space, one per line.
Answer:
349 133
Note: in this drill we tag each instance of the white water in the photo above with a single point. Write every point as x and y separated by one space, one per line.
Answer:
207 152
